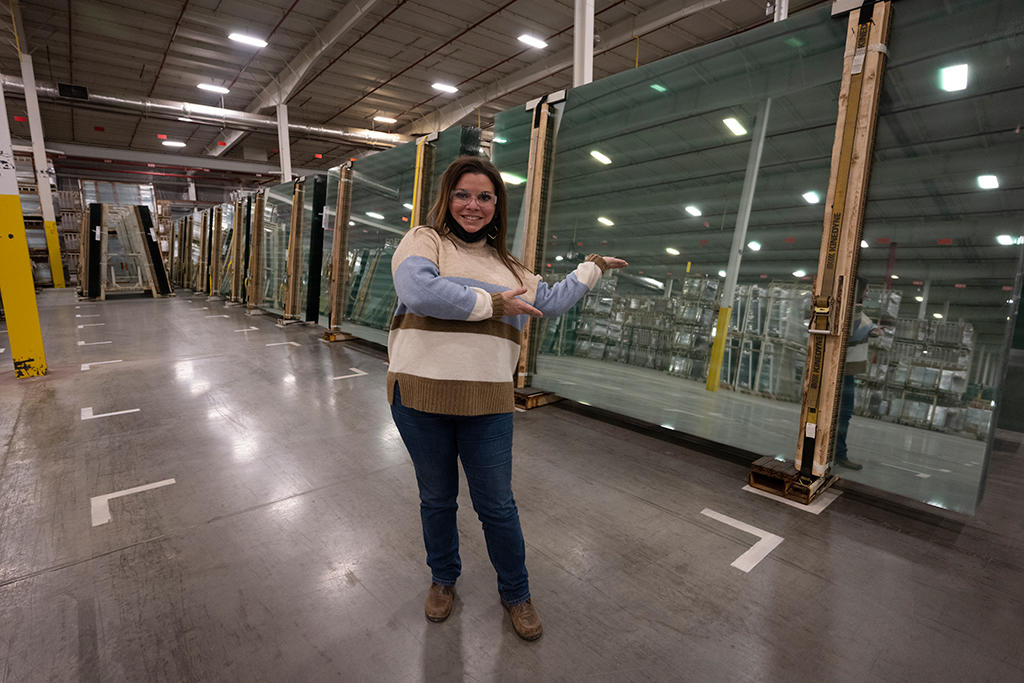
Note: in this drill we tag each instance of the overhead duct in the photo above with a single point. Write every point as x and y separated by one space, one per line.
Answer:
213 116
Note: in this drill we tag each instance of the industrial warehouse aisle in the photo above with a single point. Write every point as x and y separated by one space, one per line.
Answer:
229 501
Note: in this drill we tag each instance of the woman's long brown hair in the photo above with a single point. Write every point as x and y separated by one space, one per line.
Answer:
438 216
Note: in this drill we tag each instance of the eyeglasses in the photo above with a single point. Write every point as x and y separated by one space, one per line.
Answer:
465 197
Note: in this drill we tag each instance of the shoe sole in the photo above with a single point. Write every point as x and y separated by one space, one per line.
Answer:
528 639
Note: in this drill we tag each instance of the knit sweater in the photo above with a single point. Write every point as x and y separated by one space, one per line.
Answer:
452 350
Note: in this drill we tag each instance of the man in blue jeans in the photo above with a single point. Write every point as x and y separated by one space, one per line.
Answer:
861 330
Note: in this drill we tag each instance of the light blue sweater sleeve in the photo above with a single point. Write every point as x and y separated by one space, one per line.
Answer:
425 293
556 300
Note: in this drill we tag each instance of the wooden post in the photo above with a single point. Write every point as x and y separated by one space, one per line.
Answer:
422 183
834 285
215 249
255 286
339 257
237 252
294 263
539 179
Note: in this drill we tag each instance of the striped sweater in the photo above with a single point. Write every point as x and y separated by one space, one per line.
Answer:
451 348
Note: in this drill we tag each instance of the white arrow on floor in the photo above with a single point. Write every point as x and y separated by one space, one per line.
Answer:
248 329
356 373
218 316
283 343
87 413
82 343
101 504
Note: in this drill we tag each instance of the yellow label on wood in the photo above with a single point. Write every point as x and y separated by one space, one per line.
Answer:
19 292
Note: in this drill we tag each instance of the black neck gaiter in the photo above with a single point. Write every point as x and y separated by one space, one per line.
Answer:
467 237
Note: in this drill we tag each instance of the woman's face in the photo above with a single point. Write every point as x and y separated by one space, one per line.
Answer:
473 215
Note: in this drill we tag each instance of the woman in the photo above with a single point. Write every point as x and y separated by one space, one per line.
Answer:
454 349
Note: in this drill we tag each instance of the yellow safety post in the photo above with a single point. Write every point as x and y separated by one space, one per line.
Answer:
16 284
718 348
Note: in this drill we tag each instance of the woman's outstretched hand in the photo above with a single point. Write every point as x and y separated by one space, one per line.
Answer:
613 262
514 306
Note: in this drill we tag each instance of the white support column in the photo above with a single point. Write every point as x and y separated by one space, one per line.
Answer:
283 148
583 44
922 312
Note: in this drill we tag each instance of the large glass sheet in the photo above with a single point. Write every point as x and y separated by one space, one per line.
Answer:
942 232
194 243
277 217
227 237
648 169
510 152
330 217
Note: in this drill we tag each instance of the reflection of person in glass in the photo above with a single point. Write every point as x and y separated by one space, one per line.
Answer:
463 300
857 346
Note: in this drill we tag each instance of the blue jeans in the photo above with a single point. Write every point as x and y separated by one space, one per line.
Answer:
845 413
484 443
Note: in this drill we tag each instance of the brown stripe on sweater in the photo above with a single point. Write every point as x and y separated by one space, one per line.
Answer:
452 397
495 328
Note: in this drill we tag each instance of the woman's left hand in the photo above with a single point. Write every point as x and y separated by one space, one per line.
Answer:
613 262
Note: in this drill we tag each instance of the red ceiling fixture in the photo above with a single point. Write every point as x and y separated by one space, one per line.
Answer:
161 136
1007 288
960 285
221 143
21 119
98 129
319 156
946 242
703 241
790 240
884 240
918 282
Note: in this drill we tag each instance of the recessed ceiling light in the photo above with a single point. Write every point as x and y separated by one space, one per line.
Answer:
558 258
754 246
385 119
863 244
351 222
937 315
533 42
408 206
721 273
735 126
953 78
173 143
248 40
444 87
918 298
659 88
600 157
372 214
811 197
1005 240
693 210
512 179
213 88
604 221
988 182
674 252
895 277
799 273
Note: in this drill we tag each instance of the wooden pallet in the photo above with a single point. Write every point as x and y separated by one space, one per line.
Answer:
336 336
528 397
782 479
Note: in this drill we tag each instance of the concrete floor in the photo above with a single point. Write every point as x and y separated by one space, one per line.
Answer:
288 547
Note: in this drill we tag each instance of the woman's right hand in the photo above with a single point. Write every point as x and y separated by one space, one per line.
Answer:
514 306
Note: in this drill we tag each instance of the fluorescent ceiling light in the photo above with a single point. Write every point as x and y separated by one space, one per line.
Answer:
248 40
937 315
351 222
172 143
674 252
558 258
603 220
444 87
213 88
988 182
185 119
659 88
918 298
863 244
799 273
600 157
735 126
408 206
533 42
811 197
500 141
385 119
693 210
371 214
754 246
953 78
1005 240
721 273
512 179
894 276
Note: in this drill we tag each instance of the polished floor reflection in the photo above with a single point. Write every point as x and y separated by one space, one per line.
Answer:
287 547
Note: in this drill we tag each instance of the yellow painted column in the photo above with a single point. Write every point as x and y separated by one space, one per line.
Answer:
16 284
718 348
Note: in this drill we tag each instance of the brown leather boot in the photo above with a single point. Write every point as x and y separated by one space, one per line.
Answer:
439 602
525 619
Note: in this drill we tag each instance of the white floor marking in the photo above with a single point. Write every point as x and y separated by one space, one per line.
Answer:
79 315
86 366
562 381
87 413
685 412
520 410
283 343
218 316
101 506
927 467
248 329
204 308
922 475
81 343
91 325
758 551
815 508
356 372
